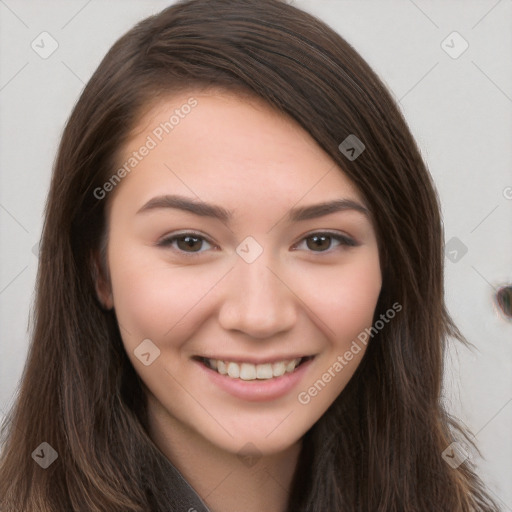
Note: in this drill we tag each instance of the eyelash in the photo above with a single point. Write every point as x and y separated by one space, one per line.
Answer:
342 239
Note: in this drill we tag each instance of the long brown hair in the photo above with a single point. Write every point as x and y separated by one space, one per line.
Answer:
378 447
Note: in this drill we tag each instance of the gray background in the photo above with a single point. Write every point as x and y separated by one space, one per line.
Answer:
459 110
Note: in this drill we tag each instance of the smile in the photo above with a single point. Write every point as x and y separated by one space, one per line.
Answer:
255 381
249 371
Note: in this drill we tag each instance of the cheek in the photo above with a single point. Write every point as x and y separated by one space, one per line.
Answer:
151 298
344 305
353 307
138 298
343 299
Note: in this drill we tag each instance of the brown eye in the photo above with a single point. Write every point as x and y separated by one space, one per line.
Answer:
189 243
318 242
323 242
186 243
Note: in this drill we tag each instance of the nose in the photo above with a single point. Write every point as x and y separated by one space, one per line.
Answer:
257 300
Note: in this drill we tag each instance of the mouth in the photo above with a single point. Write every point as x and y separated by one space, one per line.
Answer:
252 372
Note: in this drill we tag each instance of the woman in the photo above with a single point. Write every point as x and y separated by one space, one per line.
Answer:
240 292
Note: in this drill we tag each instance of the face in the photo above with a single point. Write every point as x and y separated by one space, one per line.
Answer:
225 256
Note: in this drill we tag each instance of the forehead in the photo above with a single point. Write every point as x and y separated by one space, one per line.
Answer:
215 144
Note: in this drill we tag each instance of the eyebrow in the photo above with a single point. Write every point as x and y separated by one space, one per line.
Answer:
218 212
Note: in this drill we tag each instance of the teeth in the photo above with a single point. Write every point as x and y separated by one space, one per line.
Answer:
221 366
264 371
248 371
278 369
291 366
234 370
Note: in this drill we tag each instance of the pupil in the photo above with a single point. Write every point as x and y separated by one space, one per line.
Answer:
189 242
321 242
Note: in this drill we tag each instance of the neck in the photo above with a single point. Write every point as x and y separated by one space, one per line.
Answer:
225 481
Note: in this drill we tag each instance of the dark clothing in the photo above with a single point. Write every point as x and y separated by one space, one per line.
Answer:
172 493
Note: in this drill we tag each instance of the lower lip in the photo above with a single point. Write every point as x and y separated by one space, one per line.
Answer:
257 390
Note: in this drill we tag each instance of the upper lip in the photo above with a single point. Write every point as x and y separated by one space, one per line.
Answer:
255 360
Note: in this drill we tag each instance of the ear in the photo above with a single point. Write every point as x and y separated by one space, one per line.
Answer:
101 279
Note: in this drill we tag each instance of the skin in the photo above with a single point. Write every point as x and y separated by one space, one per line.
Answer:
240 154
